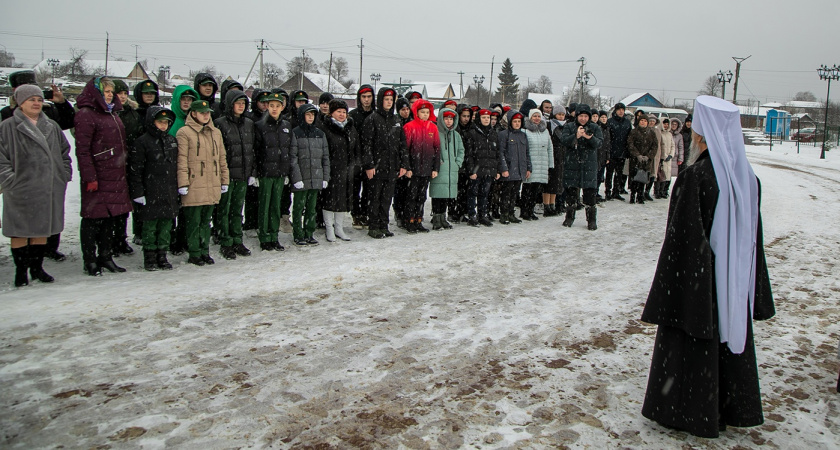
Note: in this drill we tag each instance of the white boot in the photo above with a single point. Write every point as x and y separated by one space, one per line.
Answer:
329 225
339 226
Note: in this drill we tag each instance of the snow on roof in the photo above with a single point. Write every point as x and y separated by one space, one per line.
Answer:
801 104
770 105
433 89
119 69
323 80
632 98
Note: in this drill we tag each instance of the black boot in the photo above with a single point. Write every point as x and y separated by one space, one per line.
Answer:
161 260
570 216
666 186
444 223
549 211
504 220
436 221
632 196
108 263
591 215
36 264
617 195
646 194
418 225
21 257
150 260
93 269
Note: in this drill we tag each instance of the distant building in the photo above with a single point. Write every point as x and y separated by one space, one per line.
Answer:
314 84
130 72
641 100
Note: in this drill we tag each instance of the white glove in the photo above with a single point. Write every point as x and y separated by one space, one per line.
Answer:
325 184
298 185
224 188
140 200
183 190
253 182
285 181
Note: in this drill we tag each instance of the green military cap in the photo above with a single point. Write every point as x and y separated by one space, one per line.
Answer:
200 106
273 97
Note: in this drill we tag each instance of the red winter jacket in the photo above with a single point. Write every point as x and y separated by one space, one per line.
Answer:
423 142
101 155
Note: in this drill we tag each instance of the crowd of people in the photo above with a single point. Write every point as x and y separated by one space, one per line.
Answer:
208 167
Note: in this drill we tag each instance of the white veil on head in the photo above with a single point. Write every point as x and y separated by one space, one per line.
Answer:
735 223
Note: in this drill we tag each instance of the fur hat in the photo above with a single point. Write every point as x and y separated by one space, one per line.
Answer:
22 77
27 91
583 108
336 104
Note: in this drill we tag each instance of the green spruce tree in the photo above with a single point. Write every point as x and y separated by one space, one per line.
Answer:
508 86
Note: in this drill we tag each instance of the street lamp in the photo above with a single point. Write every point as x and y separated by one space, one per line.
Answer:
271 74
479 80
827 73
724 78
53 63
375 77
583 80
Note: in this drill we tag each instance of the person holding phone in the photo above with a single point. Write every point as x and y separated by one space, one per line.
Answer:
582 140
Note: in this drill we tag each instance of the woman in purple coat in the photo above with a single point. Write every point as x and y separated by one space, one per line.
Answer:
101 155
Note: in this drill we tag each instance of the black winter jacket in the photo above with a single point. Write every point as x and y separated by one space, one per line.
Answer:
482 156
152 171
619 130
272 144
359 115
383 142
238 134
138 97
580 165
344 150
133 122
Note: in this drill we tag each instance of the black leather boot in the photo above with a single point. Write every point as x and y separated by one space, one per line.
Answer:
109 264
591 215
21 257
36 264
161 260
570 216
150 260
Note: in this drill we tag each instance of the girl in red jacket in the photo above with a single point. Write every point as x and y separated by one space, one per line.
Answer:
423 142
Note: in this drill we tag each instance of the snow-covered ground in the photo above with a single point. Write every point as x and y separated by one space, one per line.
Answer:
519 336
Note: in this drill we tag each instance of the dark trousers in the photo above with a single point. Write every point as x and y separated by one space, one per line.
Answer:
496 195
462 198
198 229
179 232
400 196
96 236
573 194
508 196
304 213
229 214
120 229
613 176
531 195
439 205
380 196
415 197
156 234
479 196
286 202
361 195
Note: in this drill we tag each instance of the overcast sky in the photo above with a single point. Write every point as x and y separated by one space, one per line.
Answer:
629 46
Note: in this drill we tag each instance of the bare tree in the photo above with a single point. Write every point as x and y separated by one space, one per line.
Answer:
340 68
589 96
273 74
300 64
75 67
7 59
711 86
805 96
543 85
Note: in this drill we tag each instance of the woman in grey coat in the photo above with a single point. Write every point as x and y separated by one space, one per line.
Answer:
34 172
541 153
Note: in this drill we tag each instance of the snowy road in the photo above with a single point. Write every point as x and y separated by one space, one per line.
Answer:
520 336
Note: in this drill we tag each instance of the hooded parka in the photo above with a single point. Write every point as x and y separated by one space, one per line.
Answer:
271 148
619 131
202 164
34 172
152 171
359 114
383 141
445 185
200 78
180 115
516 158
142 107
101 154
310 153
220 107
423 142
678 150
580 166
642 142
482 151
238 135
540 150
343 140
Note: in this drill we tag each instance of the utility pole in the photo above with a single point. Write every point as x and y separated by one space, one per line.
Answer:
107 42
302 67
361 51
490 91
329 74
579 77
262 67
462 83
136 46
738 62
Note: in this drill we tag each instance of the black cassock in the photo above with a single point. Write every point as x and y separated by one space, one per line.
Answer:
695 383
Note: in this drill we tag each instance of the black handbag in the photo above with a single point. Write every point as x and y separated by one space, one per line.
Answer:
641 176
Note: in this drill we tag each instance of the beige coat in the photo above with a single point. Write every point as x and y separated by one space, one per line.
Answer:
202 165
666 150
